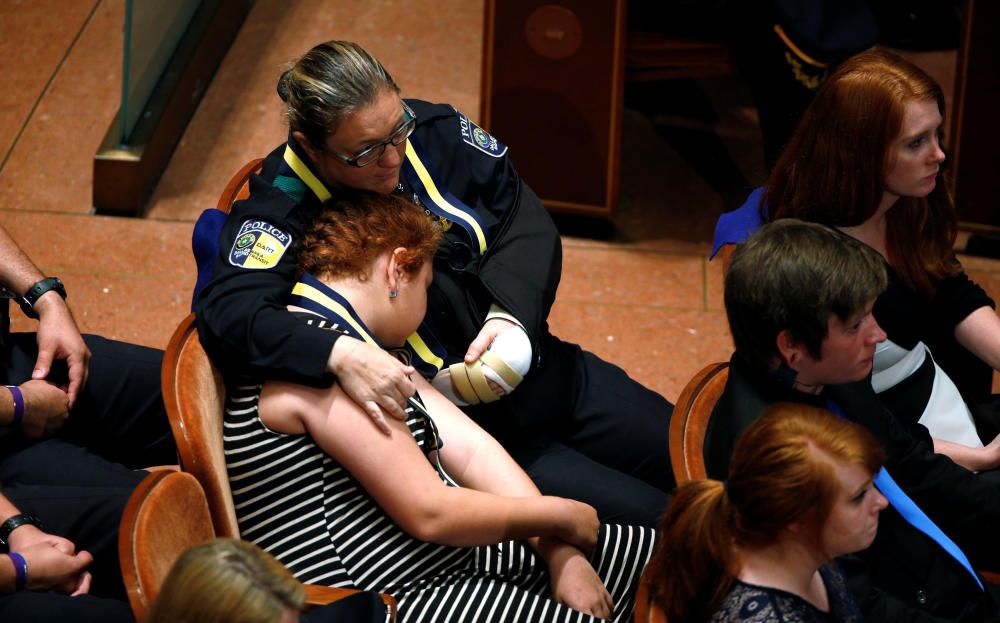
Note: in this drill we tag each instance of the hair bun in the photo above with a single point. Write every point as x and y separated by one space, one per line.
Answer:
283 85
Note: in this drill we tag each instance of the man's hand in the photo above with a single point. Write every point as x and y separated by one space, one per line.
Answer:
28 535
51 567
489 332
575 584
59 339
372 378
46 408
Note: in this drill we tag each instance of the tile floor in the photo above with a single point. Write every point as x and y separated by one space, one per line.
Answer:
645 297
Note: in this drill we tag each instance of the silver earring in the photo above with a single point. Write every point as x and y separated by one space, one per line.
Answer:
394 293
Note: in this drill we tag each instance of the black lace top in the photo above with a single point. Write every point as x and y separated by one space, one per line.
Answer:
759 604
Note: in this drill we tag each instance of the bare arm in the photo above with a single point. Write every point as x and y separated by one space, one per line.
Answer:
507 505
973 459
979 333
401 480
479 461
58 336
17 271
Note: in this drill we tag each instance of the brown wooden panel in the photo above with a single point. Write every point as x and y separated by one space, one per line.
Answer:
552 91
975 157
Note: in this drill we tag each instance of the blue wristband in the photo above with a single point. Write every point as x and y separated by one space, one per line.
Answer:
20 570
18 397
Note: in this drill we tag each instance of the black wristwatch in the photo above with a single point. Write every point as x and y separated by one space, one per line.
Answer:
11 524
35 292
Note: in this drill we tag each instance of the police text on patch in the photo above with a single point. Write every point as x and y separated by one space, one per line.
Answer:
258 245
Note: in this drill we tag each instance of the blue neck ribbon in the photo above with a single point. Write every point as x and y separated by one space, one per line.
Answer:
912 513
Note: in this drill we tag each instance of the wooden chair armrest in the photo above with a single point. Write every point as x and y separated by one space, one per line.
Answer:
317 595
726 255
162 468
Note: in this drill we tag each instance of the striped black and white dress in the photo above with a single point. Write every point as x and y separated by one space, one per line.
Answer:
310 513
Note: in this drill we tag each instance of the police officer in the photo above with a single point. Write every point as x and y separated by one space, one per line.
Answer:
578 425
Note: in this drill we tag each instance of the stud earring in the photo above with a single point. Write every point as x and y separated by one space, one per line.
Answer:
394 293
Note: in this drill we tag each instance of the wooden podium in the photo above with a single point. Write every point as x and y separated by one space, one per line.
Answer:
975 158
552 92
553 83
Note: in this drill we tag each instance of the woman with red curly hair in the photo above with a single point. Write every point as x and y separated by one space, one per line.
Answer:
760 546
437 513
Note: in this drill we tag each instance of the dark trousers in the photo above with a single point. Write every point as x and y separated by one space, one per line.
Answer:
78 483
364 607
583 429
79 496
119 415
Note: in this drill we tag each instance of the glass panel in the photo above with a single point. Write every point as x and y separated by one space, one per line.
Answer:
152 30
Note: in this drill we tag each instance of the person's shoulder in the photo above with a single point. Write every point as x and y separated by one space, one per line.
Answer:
843 607
755 390
428 112
746 603
273 196
741 402
268 211
448 125
860 403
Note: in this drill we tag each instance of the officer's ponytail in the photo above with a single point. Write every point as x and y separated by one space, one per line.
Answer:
283 85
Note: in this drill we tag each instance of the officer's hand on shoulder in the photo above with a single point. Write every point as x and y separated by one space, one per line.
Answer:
373 378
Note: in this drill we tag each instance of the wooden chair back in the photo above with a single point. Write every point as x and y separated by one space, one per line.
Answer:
238 187
690 421
726 255
166 515
687 439
194 394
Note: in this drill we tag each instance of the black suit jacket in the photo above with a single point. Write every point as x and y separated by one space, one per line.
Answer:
904 575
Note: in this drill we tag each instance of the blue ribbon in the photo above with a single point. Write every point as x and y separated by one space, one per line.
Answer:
912 513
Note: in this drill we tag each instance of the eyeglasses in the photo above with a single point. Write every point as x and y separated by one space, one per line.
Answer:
375 152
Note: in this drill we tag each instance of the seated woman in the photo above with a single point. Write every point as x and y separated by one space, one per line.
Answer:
760 546
867 159
436 514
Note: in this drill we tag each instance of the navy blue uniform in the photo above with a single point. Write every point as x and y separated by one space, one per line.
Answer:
578 425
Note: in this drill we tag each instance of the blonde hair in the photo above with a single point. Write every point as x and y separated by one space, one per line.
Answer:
329 83
226 580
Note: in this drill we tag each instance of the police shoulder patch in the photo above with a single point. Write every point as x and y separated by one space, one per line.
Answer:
480 138
258 245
